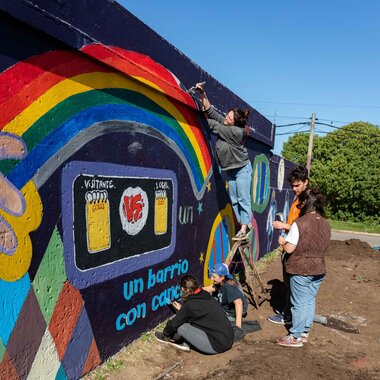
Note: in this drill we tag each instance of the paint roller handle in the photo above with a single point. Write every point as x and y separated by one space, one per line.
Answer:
200 87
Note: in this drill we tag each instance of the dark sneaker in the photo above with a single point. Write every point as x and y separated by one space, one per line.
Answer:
290 341
164 339
279 319
242 235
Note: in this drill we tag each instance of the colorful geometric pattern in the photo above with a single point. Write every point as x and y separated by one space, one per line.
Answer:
12 298
44 331
50 276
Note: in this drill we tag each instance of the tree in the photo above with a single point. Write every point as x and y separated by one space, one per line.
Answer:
295 149
345 166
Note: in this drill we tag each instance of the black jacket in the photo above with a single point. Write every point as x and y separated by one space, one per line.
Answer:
203 311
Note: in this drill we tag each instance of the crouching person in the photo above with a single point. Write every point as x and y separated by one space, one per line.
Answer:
230 295
200 322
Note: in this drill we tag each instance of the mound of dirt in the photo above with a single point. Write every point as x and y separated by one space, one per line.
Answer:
343 250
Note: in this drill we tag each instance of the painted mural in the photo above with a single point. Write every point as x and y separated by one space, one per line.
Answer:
110 193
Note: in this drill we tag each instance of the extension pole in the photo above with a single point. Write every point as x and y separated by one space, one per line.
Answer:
310 148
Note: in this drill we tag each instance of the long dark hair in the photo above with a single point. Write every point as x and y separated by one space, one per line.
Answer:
311 200
240 117
189 284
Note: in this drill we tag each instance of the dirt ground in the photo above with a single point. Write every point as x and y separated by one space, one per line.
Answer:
350 293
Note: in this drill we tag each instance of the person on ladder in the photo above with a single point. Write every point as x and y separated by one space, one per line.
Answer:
232 156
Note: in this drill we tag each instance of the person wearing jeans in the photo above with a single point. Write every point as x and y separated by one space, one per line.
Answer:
239 186
232 156
306 243
299 181
303 294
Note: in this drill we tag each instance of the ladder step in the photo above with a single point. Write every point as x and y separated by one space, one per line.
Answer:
255 286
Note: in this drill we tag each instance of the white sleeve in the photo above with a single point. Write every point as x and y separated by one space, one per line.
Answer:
293 234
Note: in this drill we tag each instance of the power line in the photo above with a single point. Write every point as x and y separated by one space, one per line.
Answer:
304 117
328 125
289 125
308 118
351 130
354 131
316 104
335 121
291 133
286 117
324 124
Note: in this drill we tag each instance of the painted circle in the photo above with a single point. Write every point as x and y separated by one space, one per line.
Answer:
260 189
133 210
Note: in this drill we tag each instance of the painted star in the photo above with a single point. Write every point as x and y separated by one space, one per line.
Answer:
226 185
200 207
202 258
208 187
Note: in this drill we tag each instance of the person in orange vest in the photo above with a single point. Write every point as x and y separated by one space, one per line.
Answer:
299 181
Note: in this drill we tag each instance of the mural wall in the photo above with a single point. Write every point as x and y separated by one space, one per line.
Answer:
109 188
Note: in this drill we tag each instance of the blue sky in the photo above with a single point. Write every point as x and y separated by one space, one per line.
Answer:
287 59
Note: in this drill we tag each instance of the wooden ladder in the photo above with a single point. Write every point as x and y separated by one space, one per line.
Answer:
255 286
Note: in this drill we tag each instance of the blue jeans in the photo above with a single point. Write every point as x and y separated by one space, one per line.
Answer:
239 187
303 291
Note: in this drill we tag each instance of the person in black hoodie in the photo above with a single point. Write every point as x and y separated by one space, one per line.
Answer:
200 322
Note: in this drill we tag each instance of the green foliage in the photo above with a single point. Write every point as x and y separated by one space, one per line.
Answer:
351 226
295 149
113 364
345 166
147 337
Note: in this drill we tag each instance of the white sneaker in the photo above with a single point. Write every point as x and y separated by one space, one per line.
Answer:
164 339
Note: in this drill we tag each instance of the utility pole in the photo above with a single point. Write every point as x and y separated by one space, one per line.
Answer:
310 148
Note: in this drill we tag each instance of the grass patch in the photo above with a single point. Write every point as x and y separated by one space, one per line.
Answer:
101 373
113 364
146 337
268 258
351 226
